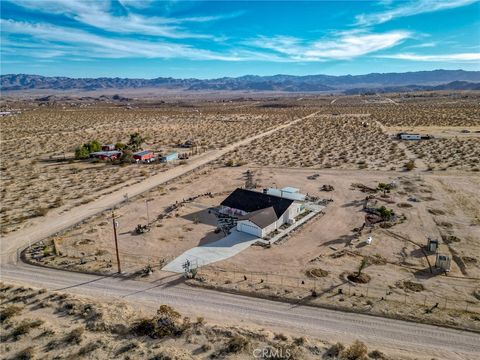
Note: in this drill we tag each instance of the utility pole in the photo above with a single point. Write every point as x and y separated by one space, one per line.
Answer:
115 225
148 215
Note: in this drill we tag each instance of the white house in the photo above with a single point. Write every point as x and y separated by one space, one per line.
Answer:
260 213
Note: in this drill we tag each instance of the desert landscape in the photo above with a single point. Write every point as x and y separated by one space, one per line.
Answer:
341 153
244 180
42 324
39 172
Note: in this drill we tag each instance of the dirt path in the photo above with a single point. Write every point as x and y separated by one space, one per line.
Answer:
54 223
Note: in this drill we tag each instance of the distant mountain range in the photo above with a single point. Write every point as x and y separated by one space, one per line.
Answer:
375 82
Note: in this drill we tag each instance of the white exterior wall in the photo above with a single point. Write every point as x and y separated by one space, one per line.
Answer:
248 227
291 213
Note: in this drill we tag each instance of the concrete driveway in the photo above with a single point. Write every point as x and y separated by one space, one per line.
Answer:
219 250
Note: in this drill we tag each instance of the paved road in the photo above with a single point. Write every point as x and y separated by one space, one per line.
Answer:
422 340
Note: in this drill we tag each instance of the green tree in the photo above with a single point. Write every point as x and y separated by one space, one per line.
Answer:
135 142
81 152
384 187
120 146
127 156
385 213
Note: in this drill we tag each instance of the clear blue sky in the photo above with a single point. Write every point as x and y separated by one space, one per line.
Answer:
208 39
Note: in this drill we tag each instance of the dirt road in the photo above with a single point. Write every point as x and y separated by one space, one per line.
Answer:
53 223
400 337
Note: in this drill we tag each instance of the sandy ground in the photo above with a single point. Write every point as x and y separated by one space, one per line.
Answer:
447 205
37 324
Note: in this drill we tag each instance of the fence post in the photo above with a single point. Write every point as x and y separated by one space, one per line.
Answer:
424 300
466 307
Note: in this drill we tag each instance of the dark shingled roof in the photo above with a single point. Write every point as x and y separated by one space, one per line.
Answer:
249 201
262 218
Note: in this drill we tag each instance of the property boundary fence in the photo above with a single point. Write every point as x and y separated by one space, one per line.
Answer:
329 288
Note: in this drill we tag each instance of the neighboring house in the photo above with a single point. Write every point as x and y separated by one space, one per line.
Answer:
260 213
170 157
405 136
106 155
144 155
108 147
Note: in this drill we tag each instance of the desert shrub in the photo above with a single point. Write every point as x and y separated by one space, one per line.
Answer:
335 350
299 341
281 337
75 336
409 165
25 354
236 344
205 347
165 323
127 347
24 327
376 354
143 327
161 357
316 273
40 211
9 312
357 351
90 347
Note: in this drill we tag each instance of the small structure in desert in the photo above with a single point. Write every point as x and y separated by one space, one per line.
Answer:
432 245
106 155
407 136
170 157
260 213
443 259
146 156
108 147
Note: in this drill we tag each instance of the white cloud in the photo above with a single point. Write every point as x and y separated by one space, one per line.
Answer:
77 42
99 14
346 45
463 57
410 8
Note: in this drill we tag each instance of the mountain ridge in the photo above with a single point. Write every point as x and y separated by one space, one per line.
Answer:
279 82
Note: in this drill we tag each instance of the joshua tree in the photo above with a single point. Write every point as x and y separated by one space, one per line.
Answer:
363 265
